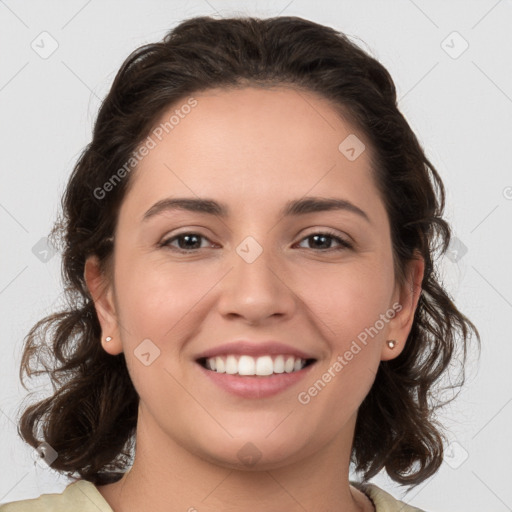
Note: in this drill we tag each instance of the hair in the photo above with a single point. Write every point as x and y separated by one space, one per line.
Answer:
90 420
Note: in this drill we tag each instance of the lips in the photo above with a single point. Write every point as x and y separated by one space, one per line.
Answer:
254 349
253 386
256 384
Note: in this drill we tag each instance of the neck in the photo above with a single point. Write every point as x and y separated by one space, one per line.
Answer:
167 477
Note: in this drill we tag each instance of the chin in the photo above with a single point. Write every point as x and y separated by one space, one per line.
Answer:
257 453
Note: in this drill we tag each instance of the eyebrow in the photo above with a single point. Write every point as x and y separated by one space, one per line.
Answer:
301 206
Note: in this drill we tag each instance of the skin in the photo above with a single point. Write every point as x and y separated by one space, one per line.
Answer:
253 149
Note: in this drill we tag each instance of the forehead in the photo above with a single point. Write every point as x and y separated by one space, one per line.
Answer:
254 118
249 141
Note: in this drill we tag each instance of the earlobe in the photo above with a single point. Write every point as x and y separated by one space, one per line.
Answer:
101 293
409 295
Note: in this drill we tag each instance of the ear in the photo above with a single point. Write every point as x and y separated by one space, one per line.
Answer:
406 299
101 290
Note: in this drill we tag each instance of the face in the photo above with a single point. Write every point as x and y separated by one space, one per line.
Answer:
319 280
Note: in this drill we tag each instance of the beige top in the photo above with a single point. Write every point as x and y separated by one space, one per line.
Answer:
82 496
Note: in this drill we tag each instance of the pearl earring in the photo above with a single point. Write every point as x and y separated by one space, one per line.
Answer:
108 338
391 344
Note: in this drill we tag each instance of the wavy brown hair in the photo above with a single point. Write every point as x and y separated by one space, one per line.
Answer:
90 419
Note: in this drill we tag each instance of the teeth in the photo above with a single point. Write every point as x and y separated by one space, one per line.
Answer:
248 365
279 364
264 365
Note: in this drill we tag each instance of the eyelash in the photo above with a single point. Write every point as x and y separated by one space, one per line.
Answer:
344 244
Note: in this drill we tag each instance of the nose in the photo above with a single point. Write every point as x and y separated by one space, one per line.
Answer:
257 291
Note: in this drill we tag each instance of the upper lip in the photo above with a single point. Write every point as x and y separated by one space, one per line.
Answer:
251 348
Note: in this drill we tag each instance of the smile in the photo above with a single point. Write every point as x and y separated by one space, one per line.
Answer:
255 377
246 365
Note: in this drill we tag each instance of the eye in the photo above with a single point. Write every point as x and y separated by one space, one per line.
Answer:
190 242
187 242
323 241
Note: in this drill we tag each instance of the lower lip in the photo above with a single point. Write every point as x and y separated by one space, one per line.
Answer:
253 386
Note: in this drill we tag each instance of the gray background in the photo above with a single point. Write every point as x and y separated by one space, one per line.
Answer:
457 100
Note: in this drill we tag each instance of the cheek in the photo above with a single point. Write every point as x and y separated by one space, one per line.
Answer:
156 302
153 295
345 306
348 299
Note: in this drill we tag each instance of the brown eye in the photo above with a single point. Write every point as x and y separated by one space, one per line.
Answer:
323 242
186 242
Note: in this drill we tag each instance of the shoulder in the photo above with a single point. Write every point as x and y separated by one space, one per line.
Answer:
79 496
383 501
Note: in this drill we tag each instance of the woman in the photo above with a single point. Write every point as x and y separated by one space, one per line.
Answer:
248 249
